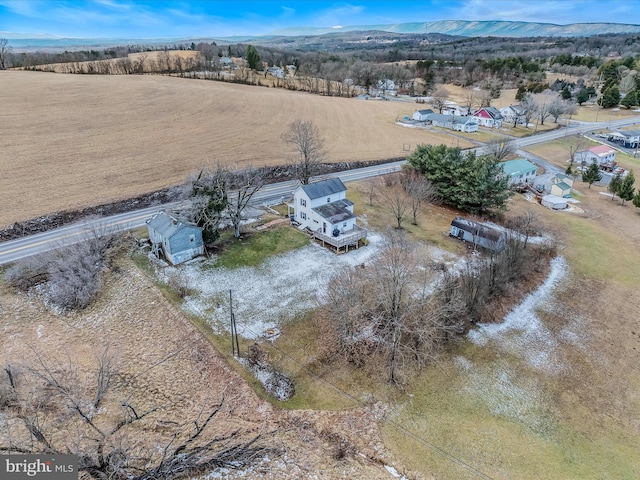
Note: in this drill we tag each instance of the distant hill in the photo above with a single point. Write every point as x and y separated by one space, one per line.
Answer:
436 31
476 29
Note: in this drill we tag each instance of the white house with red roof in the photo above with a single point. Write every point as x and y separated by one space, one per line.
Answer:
600 154
489 117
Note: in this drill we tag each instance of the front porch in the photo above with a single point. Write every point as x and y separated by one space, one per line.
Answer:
342 242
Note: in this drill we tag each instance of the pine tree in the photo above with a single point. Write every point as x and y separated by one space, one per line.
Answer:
610 97
626 190
630 99
592 174
614 185
636 199
253 59
582 96
463 180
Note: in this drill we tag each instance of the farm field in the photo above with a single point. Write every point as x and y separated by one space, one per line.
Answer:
71 141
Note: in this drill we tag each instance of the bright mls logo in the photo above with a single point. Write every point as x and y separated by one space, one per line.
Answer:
50 467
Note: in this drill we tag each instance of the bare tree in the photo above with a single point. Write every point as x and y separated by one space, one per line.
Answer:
525 224
529 108
421 191
544 102
72 273
304 137
575 143
54 408
5 49
556 108
394 308
469 98
242 186
500 148
440 96
208 201
394 197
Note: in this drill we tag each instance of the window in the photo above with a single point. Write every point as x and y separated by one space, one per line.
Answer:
303 216
344 224
192 238
303 202
328 199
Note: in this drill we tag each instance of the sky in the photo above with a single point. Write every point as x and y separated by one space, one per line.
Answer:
215 18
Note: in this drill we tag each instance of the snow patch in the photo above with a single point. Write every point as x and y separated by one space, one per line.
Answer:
394 472
281 288
511 396
522 333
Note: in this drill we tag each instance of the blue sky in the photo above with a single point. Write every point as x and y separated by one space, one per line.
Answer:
161 18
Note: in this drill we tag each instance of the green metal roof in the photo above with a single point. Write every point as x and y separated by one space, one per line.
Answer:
563 186
518 166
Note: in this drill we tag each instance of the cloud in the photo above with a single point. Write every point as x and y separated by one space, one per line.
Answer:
546 11
340 14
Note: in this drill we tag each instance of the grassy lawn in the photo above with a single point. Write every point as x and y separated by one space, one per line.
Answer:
593 113
500 417
252 249
482 135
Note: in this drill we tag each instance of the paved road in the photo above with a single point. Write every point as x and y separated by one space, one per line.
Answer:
23 247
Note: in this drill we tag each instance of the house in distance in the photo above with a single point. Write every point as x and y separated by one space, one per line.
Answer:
322 208
175 240
519 171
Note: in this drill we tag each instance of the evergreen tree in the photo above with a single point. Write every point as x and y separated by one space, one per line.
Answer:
566 93
626 190
253 59
610 97
630 99
636 199
463 180
614 185
582 97
522 91
592 174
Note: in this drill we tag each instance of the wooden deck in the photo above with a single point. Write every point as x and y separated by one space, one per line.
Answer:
344 241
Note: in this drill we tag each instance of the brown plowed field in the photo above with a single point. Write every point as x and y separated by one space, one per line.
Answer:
70 141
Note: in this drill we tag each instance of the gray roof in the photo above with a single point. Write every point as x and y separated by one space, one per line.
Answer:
629 133
324 188
425 112
335 212
494 112
167 225
444 118
477 228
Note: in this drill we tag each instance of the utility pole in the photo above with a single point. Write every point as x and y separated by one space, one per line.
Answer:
235 345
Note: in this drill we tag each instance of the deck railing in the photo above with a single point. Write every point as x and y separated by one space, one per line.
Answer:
349 238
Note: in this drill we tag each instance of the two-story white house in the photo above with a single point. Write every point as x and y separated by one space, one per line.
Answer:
323 208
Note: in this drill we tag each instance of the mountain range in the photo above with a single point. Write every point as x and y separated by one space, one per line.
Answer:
447 27
476 29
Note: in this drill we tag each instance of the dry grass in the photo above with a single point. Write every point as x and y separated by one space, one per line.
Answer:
166 361
75 140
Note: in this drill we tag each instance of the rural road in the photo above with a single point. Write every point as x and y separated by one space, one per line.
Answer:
13 250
